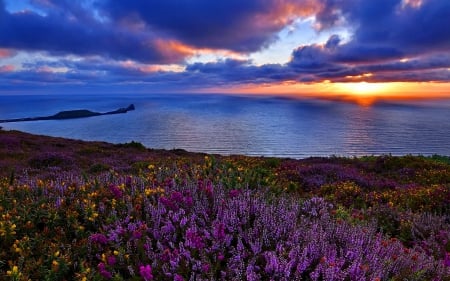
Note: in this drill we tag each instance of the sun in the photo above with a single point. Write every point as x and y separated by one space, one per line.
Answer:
364 88
364 93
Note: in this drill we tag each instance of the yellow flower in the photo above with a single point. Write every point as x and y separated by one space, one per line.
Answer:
17 249
14 271
116 253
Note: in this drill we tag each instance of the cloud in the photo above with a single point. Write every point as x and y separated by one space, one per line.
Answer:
415 28
79 34
147 31
7 53
243 26
7 68
105 43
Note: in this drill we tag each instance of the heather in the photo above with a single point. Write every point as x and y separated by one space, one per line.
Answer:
73 210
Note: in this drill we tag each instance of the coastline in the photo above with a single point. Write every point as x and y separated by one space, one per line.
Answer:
80 155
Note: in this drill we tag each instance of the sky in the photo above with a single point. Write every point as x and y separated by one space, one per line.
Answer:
301 47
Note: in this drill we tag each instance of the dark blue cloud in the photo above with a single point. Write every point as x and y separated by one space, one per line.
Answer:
105 32
385 33
412 29
93 75
389 24
77 33
237 71
362 53
238 25
137 30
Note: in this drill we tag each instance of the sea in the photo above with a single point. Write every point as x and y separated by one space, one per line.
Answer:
249 125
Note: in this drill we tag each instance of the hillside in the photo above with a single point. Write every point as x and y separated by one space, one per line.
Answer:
75 210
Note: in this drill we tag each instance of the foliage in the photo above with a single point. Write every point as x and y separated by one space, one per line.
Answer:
93 211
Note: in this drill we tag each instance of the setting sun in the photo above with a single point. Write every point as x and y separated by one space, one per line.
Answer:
364 88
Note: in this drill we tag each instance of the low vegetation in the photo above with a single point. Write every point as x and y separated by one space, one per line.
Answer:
73 210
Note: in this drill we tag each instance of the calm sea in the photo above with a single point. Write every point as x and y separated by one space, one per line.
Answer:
227 124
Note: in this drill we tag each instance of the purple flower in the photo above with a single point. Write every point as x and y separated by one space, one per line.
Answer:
272 265
111 260
103 272
209 189
188 201
219 231
447 259
99 238
205 267
128 181
115 190
178 278
193 239
168 203
146 272
234 193
176 196
137 234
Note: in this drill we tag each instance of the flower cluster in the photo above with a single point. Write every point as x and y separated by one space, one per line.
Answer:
198 230
226 218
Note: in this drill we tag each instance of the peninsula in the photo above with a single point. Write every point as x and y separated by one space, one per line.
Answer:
71 114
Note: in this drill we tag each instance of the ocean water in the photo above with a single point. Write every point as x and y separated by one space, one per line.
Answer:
256 125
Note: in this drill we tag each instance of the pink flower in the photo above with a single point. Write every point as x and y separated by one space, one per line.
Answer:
178 278
103 272
205 267
447 259
115 190
111 260
234 193
146 272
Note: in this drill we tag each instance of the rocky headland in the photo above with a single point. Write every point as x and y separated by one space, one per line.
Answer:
71 114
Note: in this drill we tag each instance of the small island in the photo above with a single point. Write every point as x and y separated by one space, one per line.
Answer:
71 114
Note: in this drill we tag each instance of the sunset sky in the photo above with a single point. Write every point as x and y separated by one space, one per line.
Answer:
325 47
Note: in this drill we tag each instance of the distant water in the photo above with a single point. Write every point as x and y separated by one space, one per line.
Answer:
226 124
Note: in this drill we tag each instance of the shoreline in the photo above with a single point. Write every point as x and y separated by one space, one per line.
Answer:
19 148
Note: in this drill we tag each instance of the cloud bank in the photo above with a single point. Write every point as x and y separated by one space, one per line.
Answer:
106 43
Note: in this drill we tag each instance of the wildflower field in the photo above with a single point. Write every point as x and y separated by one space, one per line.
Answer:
73 210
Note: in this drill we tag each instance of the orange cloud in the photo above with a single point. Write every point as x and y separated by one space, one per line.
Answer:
172 50
412 3
285 12
7 68
359 77
6 53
